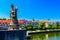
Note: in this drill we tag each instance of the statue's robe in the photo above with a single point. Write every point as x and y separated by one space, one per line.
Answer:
13 18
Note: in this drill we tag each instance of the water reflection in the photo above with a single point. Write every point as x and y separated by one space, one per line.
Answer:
46 36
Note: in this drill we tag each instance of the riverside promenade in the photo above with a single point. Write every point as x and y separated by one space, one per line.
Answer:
43 31
12 34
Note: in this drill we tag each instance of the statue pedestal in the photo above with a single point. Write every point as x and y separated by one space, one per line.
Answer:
12 27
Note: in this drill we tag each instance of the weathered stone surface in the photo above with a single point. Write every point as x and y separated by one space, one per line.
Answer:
13 18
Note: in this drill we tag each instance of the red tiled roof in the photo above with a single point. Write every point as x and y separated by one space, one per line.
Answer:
8 21
5 21
21 21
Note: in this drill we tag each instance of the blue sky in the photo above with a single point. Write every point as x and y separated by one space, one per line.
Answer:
28 9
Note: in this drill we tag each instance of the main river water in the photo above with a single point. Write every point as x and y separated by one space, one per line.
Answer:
45 36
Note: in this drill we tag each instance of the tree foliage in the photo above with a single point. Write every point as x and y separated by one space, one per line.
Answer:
30 27
2 18
41 25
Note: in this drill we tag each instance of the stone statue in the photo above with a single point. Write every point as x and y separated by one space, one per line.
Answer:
13 18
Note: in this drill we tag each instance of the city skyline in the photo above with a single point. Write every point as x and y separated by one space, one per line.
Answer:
29 9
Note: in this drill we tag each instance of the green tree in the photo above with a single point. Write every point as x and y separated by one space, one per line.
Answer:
50 26
57 25
4 18
41 25
53 26
30 27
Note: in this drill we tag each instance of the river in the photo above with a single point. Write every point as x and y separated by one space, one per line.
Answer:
45 36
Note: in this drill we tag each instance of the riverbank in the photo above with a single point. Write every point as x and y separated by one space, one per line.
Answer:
43 31
45 36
